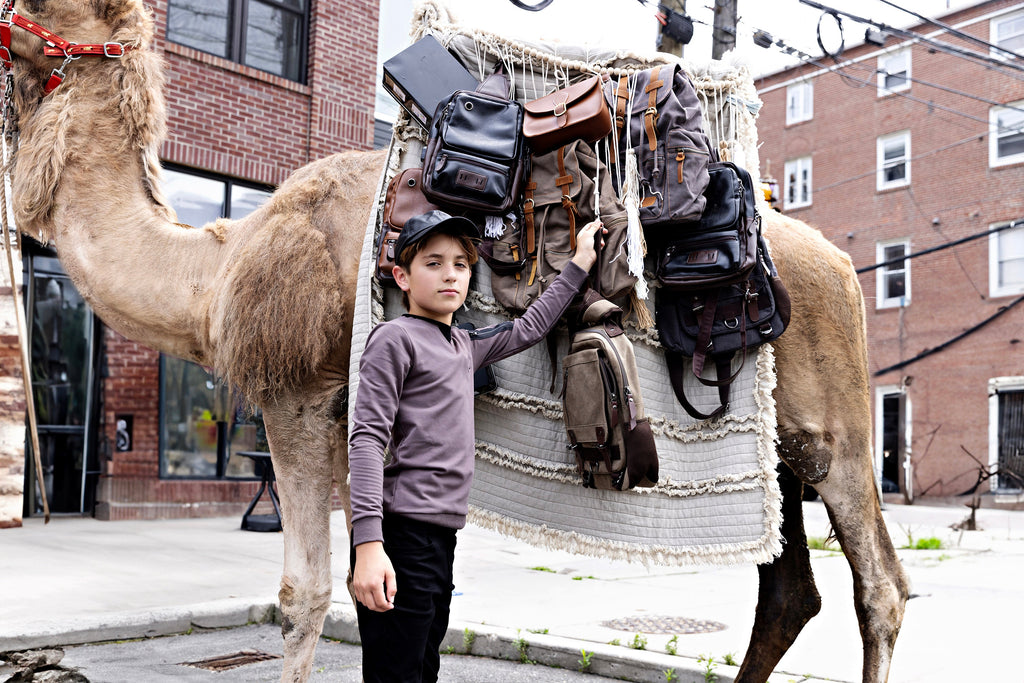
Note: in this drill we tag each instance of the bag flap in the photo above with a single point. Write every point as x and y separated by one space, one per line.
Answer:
544 172
563 98
484 124
405 199
724 197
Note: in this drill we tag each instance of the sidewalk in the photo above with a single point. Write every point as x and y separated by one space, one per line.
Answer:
79 580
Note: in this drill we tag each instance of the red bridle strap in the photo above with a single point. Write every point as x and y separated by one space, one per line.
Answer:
55 47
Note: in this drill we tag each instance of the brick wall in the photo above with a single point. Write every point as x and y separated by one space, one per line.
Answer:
234 120
953 194
12 416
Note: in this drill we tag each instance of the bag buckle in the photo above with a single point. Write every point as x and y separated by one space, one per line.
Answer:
731 323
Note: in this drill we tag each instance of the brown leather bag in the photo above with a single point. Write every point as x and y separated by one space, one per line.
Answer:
403 200
578 112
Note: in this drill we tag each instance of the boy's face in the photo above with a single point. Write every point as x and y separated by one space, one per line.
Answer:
437 280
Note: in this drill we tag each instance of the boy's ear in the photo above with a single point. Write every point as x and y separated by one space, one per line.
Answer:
401 278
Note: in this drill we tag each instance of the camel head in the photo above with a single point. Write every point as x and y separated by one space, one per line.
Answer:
98 98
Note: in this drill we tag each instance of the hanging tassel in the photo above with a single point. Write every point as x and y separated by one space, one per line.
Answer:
644 321
636 248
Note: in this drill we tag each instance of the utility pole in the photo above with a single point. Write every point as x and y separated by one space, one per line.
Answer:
666 43
723 38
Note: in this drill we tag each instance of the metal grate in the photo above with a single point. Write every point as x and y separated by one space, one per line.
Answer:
673 625
232 661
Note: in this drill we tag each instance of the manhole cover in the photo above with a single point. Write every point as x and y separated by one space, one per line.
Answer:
232 661
673 625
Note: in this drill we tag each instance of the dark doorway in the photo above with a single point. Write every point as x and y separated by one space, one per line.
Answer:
62 333
893 442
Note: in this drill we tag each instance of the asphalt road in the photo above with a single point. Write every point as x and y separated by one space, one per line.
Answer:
165 660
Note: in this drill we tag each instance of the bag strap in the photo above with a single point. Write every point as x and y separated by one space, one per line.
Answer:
496 84
651 114
674 361
530 229
621 103
564 182
703 343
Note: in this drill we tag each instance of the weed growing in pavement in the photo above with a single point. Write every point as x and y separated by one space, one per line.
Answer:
468 638
580 578
730 659
670 675
538 631
543 569
709 668
639 642
521 646
585 661
672 645
614 641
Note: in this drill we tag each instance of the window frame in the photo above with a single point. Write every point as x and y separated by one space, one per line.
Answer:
997 386
884 71
800 164
880 147
995 287
804 92
237 25
993 33
994 160
882 298
236 470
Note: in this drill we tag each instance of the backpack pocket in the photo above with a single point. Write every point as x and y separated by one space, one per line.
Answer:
673 179
484 126
697 258
476 180
588 376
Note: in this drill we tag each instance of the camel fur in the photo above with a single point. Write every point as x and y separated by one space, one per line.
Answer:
267 302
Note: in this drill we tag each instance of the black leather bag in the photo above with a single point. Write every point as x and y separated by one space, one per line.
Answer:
721 248
716 324
476 156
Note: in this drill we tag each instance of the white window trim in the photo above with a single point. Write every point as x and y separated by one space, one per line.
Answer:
881 392
995 385
882 70
881 183
993 25
800 163
804 90
993 137
996 289
881 301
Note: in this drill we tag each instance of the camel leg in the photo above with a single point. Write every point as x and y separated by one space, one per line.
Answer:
304 433
786 596
880 588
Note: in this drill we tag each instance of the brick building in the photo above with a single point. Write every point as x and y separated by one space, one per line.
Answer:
253 91
907 147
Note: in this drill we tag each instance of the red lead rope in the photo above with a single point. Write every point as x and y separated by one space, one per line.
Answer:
55 47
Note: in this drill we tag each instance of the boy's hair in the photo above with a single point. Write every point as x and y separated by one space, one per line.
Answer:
404 259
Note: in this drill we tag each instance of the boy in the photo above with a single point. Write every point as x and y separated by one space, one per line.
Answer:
415 399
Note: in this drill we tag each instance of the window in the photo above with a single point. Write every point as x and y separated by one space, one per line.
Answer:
893 72
1007 32
1006 262
269 35
798 183
1006 432
893 278
192 401
1006 134
893 161
799 102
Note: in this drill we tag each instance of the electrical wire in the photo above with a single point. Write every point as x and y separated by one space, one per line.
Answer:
954 31
940 247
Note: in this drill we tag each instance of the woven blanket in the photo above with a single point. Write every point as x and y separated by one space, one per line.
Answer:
717 500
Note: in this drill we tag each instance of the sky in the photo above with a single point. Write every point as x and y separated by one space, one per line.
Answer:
629 24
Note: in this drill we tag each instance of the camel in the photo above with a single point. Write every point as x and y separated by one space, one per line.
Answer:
267 302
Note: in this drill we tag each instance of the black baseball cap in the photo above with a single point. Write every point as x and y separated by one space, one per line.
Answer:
420 227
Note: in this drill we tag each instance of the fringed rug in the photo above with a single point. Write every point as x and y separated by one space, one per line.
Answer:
717 500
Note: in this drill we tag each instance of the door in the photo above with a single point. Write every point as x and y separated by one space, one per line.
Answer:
62 338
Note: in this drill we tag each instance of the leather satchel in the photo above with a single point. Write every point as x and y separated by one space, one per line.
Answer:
476 155
714 325
578 112
721 248
403 199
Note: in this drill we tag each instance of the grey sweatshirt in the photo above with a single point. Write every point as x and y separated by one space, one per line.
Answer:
415 398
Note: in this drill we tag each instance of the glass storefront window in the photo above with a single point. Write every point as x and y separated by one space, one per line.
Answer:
192 400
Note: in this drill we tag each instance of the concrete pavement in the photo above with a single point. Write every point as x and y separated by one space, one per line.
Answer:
79 580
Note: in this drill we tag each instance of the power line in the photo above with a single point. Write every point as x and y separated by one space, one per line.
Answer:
940 247
954 31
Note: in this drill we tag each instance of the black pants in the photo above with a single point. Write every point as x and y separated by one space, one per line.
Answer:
402 644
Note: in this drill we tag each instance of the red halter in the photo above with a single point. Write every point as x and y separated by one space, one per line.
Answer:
55 46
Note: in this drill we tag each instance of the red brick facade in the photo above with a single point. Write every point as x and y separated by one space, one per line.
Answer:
953 193
237 121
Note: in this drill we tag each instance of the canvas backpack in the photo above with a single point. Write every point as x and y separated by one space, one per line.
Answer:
659 118
559 200
603 412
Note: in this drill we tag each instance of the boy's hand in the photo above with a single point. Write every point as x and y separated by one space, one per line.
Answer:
586 253
373 578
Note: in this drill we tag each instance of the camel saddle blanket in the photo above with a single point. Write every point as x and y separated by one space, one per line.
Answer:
717 500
